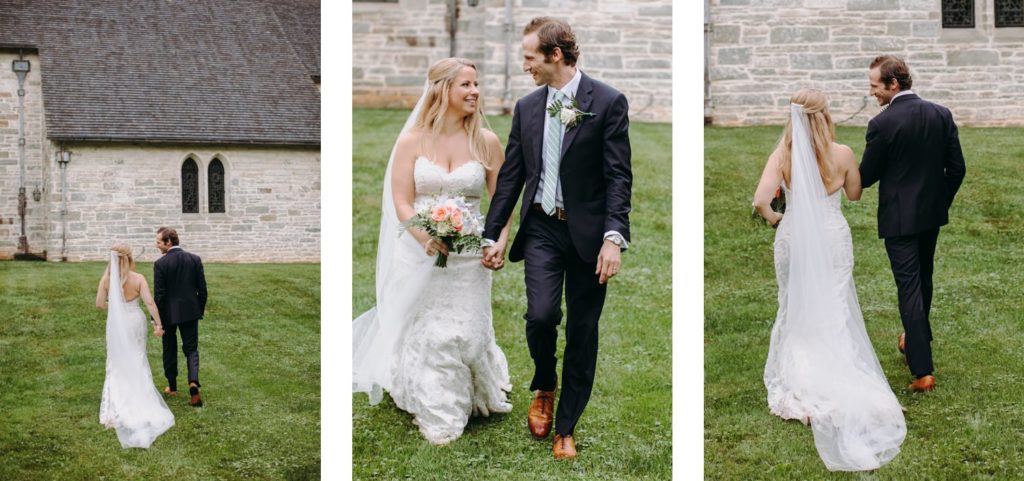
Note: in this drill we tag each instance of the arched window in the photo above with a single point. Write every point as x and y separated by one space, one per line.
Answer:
215 178
189 187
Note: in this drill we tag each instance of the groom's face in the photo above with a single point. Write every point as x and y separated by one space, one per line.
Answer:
879 90
162 246
534 63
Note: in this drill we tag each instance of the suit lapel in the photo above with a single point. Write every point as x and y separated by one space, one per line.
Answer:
536 112
583 97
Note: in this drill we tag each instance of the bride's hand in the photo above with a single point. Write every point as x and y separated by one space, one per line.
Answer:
774 221
433 246
158 331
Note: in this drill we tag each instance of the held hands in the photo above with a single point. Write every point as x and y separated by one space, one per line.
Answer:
608 261
158 331
494 256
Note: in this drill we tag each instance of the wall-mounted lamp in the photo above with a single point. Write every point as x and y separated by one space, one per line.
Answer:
62 157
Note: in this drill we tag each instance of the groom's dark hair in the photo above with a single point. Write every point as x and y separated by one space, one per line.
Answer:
168 234
554 33
891 67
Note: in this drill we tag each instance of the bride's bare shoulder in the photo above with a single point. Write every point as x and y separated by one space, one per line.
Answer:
411 137
408 144
843 154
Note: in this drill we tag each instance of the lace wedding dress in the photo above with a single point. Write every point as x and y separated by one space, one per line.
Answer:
446 365
821 367
130 403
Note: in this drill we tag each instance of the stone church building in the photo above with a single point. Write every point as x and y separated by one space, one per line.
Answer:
965 54
624 43
121 116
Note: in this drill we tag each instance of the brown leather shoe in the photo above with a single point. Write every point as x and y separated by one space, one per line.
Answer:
564 447
540 415
195 400
168 392
902 345
923 384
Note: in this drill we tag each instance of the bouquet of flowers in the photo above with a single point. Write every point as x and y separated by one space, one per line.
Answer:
778 205
452 221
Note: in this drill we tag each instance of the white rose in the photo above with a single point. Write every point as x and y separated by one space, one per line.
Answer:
567 116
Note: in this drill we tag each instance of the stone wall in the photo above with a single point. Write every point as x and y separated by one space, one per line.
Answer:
125 192
35 152
763 50
626 44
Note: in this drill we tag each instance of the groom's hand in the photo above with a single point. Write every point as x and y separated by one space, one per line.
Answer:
608 261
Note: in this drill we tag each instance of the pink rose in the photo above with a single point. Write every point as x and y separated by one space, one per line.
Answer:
457 216
440 214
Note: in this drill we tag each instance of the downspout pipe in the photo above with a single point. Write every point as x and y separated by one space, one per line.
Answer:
21 68
62 160
708 115
506 99
453 25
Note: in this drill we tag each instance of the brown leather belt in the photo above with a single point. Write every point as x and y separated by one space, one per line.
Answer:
559 212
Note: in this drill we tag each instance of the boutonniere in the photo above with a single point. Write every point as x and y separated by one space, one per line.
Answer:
568 113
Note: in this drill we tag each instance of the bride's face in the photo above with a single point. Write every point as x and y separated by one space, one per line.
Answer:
464 93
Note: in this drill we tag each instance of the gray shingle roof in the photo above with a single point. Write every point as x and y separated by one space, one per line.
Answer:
229 71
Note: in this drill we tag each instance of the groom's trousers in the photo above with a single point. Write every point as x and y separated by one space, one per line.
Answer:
551 261
912 259
189 346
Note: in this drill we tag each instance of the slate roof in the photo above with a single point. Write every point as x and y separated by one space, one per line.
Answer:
208 71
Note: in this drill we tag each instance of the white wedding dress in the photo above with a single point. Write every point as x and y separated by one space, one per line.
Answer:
130 403
445 365
821 365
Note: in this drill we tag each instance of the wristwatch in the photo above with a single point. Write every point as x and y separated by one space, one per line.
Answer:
616 239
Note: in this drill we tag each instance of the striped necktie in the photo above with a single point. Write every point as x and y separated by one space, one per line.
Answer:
552 158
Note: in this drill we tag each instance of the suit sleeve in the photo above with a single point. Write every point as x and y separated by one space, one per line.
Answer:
873 162
159 286
618 173
954 165
201 286
511 178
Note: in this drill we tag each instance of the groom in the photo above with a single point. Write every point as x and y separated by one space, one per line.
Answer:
179 289
913 151
574 162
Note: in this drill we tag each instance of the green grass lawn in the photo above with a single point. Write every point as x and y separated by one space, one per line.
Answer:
972 425
626 431
259 348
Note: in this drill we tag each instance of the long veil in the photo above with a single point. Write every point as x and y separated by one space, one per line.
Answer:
130 402
403 271
828 364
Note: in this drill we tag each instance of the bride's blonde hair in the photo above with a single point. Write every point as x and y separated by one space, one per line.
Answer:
440 78
822 134
125 261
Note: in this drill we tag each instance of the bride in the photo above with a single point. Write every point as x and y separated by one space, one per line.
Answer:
821 366
429 341
130 404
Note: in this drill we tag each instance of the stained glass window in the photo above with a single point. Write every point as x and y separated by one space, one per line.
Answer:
215 178
1009 13
957 13
189 187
